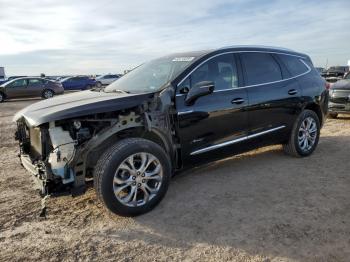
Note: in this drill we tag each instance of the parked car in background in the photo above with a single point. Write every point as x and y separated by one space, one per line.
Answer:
30 87
321 70
337 71
339 100
168 114
78 83
106 79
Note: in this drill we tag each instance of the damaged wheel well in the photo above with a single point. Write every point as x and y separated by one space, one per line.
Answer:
154 135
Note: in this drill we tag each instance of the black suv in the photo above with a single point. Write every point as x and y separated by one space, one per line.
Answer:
169 114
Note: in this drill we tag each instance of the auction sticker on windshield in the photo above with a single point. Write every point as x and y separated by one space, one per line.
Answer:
183 59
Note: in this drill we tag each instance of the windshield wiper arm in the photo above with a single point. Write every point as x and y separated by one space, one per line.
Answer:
121 91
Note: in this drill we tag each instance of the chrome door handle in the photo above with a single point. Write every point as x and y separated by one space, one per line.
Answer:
237 101
292 92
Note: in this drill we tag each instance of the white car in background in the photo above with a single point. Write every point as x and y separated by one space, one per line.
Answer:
106 79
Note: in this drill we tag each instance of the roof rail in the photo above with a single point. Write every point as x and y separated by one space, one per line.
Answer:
258 46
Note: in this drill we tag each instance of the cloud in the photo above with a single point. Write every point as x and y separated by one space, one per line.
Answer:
73 37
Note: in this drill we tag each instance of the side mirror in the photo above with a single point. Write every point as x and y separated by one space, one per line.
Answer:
200 89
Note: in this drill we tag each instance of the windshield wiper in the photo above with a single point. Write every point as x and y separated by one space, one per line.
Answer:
121 91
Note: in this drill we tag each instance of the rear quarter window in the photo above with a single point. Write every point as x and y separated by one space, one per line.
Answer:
261 68
294 65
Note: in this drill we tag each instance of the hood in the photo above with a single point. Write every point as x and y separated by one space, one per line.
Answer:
78 104
341 85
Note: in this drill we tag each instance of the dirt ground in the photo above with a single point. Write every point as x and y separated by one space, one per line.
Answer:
258 206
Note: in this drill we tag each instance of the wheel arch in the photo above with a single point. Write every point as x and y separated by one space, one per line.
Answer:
154 135
317 109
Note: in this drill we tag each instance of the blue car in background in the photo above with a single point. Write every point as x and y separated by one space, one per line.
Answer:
78 83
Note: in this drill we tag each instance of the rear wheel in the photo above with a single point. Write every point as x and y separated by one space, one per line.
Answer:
132 176
333 115
88 87
304 136
47 93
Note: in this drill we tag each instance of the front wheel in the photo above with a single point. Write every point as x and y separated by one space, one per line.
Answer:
304 136
132 176
98 84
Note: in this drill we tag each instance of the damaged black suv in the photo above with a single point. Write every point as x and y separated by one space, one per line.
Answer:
169 114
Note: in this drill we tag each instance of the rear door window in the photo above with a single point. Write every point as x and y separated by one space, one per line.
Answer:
293 64
35 82
261 68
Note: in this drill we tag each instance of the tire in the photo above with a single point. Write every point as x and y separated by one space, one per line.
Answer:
2 97
88 87
113 172
98 84
333 115
48 93
295 146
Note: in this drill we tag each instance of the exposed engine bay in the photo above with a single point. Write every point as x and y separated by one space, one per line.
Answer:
62 154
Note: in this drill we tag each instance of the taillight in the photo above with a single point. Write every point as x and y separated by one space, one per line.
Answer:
328 85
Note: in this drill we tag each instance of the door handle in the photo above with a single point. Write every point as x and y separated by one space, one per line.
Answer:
292 92
237 101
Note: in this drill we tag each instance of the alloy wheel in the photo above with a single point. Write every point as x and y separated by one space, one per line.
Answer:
307 134
48 94
138 179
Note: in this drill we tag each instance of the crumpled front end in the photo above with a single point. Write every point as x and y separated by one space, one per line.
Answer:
46 152
62 153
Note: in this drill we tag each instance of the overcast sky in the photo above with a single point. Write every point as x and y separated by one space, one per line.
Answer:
94 37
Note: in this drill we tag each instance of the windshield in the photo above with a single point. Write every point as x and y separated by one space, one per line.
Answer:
64 79
150 76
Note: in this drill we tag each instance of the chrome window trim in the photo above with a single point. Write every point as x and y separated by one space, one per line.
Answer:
234 141
241 87
184 112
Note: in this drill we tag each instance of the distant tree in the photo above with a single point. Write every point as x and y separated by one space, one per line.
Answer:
42 75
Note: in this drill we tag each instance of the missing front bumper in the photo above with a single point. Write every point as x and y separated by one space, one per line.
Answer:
37 174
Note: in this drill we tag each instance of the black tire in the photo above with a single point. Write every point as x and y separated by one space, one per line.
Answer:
109 162
48 93
333 115
98 84
292 147
2 97
88 87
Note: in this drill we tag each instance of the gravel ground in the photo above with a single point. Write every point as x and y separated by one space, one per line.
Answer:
258 206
